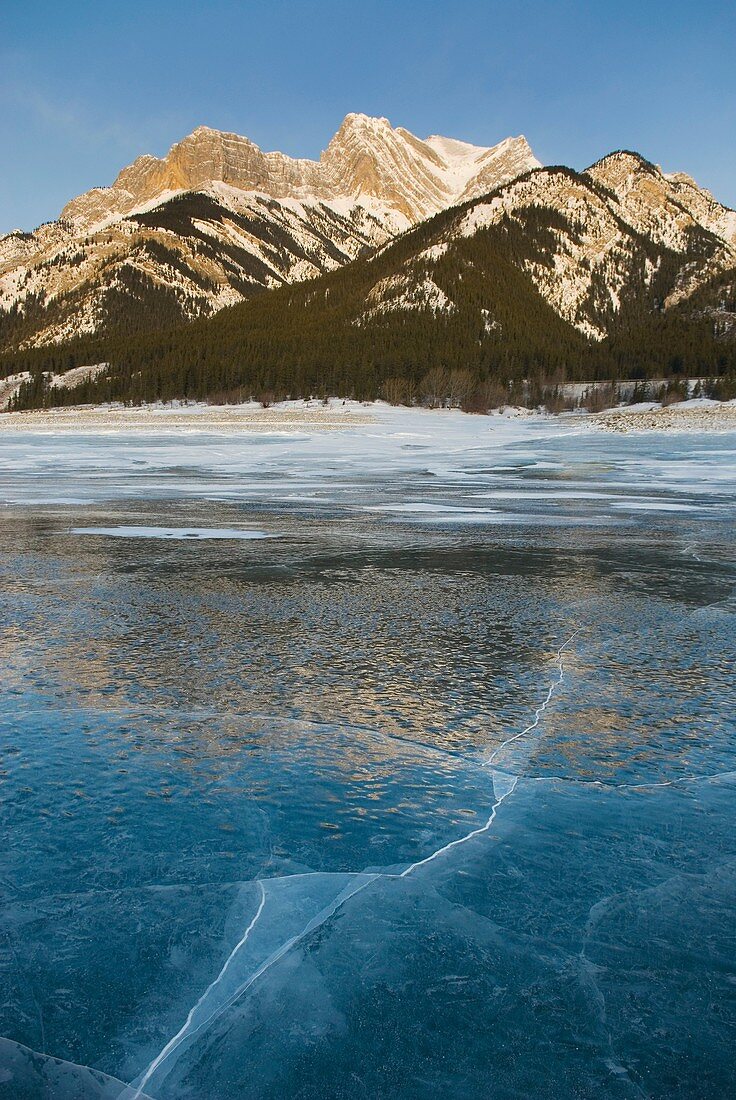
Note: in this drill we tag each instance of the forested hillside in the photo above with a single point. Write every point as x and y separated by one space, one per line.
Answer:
501 289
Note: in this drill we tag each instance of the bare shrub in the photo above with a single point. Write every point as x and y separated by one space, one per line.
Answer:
556 401
460 384
397 391
433 387
598 398
672 393
488 395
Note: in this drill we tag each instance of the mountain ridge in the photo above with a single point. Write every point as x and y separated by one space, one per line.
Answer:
548 277
373 181
542 264
360 159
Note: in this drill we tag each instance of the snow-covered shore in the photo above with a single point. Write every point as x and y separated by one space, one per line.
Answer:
337 415
686 416
252 417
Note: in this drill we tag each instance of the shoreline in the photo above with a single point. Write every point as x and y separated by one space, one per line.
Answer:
685 416
287 417
302 416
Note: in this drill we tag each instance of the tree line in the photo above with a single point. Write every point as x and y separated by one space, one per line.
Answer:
337 336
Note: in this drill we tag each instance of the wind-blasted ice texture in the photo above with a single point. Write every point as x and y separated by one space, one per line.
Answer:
443 463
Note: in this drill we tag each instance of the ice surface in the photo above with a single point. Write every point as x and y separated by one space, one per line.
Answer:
499 454
286 911
26 1074
396 804
654 505
130 532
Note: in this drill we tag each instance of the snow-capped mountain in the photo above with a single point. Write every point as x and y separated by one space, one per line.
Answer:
367 159
217 220
452 235
616 271
620 236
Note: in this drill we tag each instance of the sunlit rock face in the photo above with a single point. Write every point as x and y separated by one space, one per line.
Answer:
367 158
217 220
598 246
658 204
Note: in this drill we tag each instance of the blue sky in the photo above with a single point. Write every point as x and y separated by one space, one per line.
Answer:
87 86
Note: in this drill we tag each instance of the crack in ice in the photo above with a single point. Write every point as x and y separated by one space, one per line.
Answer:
507 782
185 1029
541 709
588 977
643 786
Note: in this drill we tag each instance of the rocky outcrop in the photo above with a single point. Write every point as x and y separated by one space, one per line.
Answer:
146 249
366 159
217 220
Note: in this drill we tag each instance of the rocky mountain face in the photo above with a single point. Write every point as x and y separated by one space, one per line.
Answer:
217 220
186 257
410 250
618 238
618 271
367 159
618 242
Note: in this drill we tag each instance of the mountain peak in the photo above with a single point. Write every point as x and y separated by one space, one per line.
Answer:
357 119
624 160
179 219
217 220
367 160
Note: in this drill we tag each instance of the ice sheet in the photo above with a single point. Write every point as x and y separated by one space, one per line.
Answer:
132 532
341 812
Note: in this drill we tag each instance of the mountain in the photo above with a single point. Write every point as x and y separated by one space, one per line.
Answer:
217 220
618 271
386 258
366 159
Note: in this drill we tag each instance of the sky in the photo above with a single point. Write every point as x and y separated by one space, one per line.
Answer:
85 87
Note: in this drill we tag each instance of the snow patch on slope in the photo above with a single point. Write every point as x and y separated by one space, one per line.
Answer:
406 291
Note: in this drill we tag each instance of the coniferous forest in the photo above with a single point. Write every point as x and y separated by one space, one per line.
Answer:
482 336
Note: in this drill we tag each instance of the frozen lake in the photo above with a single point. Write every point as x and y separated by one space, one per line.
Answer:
392 762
